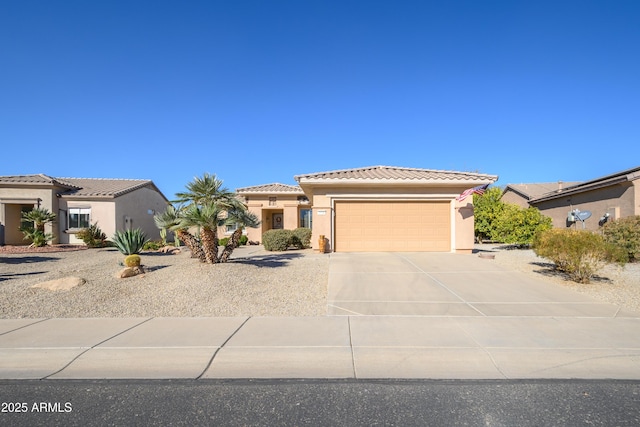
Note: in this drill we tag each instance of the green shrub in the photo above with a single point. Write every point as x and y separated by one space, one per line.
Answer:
152 245
625 233
93 236
243 240
516 225
302 238
129 242
277 240
37 237
579 253
223 241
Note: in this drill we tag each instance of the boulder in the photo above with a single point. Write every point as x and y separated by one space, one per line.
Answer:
62 284
130 272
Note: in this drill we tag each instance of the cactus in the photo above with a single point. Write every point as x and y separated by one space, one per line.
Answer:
132 260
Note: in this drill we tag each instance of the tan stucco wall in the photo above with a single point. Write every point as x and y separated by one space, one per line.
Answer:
286 204
102 212
323 197
137 206
11 199
618 200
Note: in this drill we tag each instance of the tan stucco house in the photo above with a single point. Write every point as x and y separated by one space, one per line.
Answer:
373 209
607 198
522 194
115 204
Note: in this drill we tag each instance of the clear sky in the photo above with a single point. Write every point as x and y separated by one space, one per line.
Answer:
259 91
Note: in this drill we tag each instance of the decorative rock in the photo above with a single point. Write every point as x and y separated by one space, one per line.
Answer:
169 250
63 284
487 256
130 272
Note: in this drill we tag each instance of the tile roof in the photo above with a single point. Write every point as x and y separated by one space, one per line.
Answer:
82 187
275 187
37 179
537 189
103 187
605 181
394 174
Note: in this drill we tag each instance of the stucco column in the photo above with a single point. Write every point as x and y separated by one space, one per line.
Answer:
290 214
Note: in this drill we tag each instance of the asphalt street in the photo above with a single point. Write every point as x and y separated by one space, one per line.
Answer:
320 403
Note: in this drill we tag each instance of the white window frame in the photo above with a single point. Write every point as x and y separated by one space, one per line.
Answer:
80 212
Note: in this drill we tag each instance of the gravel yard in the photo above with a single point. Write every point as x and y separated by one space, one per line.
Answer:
293 283
613 284
255 283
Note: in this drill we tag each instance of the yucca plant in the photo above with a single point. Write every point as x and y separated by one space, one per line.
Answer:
129 242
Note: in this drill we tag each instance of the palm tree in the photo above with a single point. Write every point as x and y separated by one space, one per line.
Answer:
39 217
240 216
171 219
207 189
207 217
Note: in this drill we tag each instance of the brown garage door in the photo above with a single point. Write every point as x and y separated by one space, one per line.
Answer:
418 226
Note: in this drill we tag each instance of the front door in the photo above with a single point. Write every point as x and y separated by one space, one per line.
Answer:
277 221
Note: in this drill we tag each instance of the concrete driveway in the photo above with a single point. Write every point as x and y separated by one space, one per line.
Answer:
445 284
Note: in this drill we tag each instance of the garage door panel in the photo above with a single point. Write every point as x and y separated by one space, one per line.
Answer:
393 226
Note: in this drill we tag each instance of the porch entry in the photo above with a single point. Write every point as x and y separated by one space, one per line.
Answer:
277 221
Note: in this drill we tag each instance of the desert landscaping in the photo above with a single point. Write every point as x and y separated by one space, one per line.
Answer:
254 283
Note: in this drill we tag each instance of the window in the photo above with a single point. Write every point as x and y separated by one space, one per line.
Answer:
305 218
272 201
231 228
79 217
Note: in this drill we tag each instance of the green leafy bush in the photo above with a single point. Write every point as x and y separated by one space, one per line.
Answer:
93 236
223 241
516 225
37 237
153 245
625 232
579 253
243 240
302 238
129 242
277 240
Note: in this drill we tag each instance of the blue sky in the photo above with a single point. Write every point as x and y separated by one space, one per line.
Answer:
259 91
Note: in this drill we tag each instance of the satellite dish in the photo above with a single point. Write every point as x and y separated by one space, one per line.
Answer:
583 215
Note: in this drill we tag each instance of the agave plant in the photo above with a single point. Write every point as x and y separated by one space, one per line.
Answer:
129 242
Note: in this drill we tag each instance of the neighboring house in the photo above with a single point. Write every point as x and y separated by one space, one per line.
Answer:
373 209
606 198
115 204
521 194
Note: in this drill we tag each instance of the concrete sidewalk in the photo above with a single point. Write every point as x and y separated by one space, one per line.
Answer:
451 347
393 315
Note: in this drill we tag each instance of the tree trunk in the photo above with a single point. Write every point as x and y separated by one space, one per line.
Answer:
233 243
209 245
192 243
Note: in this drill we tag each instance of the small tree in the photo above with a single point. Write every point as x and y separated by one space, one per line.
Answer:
518 226
242 218
38 217
486 210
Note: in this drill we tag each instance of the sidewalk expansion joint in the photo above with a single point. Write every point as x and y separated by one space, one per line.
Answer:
25 326
353 356
94 346
215 353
